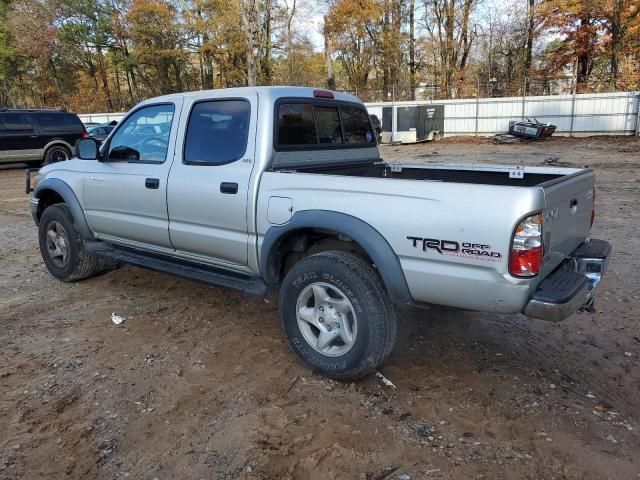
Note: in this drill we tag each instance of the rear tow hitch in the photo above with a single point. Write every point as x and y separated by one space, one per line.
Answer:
589 306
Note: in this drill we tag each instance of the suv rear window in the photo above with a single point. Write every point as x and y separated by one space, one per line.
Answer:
306 124
59 122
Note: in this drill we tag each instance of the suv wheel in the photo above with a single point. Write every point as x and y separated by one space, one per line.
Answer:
62 248
55 154
336 315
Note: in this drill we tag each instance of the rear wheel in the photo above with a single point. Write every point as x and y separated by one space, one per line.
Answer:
55 154
336 315
62 248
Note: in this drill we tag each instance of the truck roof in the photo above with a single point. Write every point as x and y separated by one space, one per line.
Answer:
271 93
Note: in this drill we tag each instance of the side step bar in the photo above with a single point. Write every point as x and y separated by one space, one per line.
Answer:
180 268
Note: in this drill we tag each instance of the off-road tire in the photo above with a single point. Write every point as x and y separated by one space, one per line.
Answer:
376 316
55 153
79 264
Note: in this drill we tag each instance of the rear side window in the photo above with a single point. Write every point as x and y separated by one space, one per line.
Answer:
217 132
306 124
16 122
59 122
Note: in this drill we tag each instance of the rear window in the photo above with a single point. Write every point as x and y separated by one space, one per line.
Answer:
328 125
217 132
296 125
356 125
305 124
59 122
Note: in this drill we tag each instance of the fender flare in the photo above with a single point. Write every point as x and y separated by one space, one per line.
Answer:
72 202
372 241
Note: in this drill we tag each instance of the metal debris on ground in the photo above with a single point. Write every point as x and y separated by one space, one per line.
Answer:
532 129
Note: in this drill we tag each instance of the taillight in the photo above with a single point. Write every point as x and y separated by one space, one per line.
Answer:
593 209
527 247
85 134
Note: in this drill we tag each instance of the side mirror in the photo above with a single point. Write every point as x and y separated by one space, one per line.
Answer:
87 149
123 153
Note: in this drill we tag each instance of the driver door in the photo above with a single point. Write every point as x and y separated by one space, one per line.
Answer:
125 193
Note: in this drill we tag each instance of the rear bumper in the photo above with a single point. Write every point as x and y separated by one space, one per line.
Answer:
570 287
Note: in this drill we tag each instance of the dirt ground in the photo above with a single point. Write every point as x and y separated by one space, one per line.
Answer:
198 382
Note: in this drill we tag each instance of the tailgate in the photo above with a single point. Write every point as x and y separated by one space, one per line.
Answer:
567 216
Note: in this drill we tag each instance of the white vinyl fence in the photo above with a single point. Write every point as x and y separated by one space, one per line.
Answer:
100 117
579 115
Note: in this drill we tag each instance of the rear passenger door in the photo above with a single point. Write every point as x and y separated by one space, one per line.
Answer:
208 187
3 152
20 139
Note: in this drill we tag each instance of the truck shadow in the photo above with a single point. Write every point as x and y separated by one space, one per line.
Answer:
572 355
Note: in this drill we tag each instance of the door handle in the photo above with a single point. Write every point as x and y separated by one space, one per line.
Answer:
229 187
152 183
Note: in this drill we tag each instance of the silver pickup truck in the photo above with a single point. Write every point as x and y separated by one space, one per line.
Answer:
282 187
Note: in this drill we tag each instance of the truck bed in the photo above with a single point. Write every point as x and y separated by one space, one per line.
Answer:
457 173
478 204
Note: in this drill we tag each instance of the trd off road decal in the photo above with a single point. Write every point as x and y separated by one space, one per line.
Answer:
477 251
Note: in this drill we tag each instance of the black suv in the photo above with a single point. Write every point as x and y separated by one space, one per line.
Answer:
38 136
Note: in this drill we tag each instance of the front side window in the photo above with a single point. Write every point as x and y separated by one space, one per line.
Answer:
144 136
16 122
217 132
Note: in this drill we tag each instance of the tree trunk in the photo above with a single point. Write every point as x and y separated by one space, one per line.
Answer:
206 62
248 16
117 92
290 40
412 50
617 34
56 80
331 79
103 77
529 52
176 73
266 59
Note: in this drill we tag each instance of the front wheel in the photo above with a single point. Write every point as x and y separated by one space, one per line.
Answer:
62 248
336 315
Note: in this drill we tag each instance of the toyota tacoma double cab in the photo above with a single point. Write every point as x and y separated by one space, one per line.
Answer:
283 188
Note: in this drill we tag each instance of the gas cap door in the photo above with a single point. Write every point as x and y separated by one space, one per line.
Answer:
279 211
